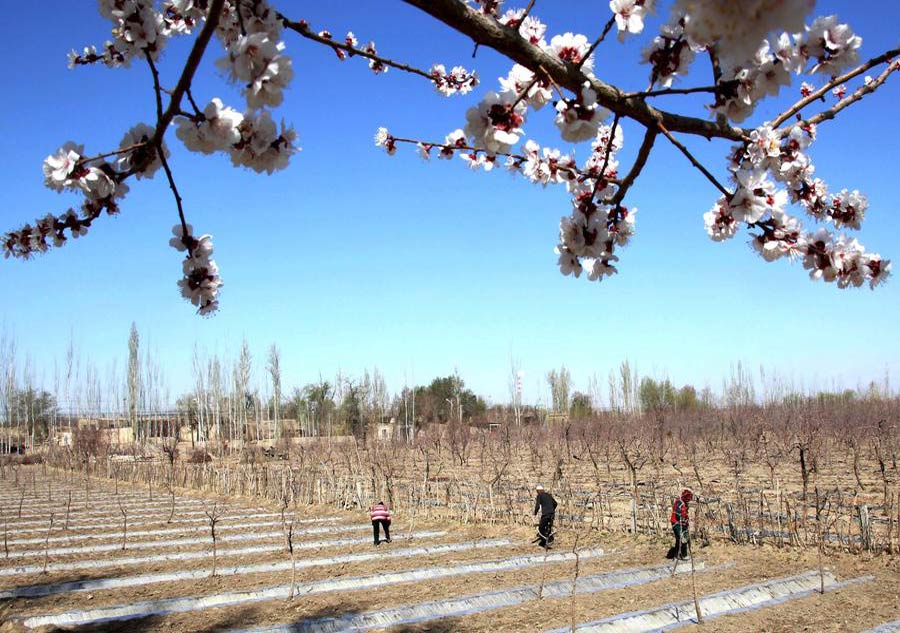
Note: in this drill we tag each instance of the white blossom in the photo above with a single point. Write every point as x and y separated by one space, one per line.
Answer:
533 30
600 267
216 130
496 123
181 16
96 184
384 139
256 17
262 147
259 64
765 144
201 281
146 158
754 196
630 15
137 29
719 223
572 48
457 81
833 45
736 28
568 263
579 119
669 53
58 168
456 139
520 78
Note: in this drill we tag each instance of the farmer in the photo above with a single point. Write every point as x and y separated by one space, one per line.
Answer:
679 521
380 515
547 506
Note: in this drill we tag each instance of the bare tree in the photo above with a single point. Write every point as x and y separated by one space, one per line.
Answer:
274 368
516 375
560 382
242 384
134 381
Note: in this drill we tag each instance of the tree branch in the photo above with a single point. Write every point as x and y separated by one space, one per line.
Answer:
481 150
507 41
858 94
640 161
837 81
187 74
159 150
609 143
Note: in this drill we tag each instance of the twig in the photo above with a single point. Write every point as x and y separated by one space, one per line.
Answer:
714 62
157 90
693 160
162 157
527 11
171 179
671 91
193 103
597 42
303 30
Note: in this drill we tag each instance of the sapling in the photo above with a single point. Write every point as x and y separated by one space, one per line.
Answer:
68 508
694 583
172 500
577 570
575 579
47 544
289 541
124 524
214 517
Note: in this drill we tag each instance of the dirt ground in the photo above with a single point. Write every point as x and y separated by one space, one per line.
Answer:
853 608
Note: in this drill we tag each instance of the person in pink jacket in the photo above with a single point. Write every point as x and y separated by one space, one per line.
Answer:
380 515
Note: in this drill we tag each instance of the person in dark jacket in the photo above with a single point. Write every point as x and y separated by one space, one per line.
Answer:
380 515
546 504
680 525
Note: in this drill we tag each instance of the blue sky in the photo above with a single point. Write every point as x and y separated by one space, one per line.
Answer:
352 259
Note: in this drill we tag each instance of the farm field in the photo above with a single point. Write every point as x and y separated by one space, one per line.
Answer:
86 568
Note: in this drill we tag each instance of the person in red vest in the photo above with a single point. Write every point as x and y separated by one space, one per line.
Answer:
680 525
380 515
